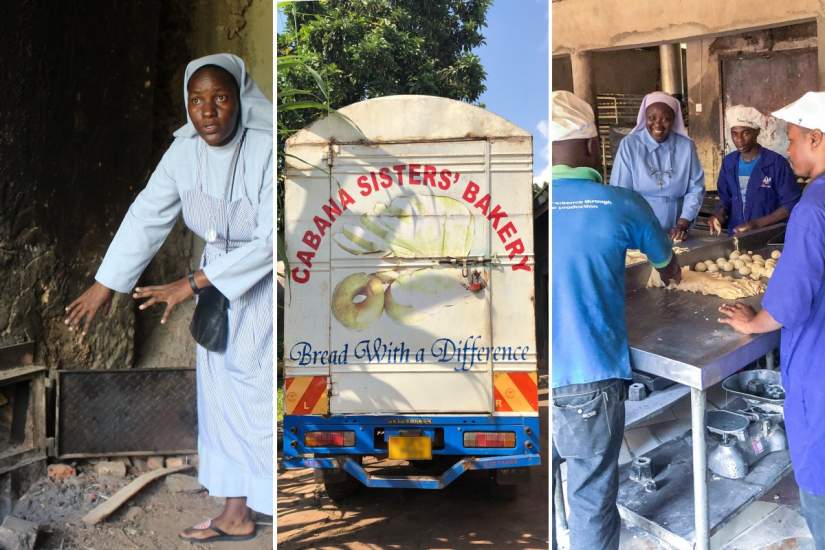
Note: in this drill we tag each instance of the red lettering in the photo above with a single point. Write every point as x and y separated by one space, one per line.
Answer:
522 265
514 248
484 204
300 275
498 214
306 257
312 240
444 183
414 172
429 175
321 224
507 231
386 178
344 198
331 210
399 172
374 181
365 187
470 192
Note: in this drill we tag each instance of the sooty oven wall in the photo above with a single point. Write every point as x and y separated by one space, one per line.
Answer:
91 92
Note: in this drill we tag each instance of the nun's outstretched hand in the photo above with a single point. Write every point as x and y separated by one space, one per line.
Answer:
171 294
81 312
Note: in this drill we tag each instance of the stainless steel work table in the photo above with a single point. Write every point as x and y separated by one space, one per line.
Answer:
676 335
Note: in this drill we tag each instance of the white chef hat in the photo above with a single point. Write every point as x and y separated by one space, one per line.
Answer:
740 115
572 117
808 111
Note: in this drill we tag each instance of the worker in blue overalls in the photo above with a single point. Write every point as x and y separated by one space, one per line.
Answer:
593 227
795 303
757 187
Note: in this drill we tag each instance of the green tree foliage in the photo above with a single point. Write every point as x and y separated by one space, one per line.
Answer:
340 52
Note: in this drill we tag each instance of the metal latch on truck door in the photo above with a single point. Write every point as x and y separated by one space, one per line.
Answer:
475 281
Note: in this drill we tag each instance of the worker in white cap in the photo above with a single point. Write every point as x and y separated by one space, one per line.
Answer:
593 227
756 186
795 303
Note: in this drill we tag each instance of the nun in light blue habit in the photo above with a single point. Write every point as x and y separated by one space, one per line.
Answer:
658 160
218 174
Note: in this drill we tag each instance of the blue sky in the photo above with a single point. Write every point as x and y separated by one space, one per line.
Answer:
516 58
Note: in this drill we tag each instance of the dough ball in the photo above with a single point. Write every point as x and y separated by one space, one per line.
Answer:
757 257
735 254
754 275
776 254
770 263
701 266
744 270
721 261
738 264
709 263
713 268
759 263
745 258
727 266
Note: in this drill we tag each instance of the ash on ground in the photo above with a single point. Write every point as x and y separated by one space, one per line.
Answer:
51 504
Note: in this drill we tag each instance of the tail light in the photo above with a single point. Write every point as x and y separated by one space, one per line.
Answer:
490 439
329 439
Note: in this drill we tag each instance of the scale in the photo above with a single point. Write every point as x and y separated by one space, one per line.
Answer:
747 436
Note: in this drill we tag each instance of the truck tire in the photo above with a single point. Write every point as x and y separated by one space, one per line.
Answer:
339 489
501 491
338 484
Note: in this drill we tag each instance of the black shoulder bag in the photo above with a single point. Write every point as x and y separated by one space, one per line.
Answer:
210 323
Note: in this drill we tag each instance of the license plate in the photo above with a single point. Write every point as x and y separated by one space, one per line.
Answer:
410 448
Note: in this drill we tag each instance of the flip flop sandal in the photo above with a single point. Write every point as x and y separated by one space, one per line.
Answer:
220 535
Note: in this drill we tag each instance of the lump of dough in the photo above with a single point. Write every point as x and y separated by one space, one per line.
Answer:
701 266
745 258
744 270
713 268
738 264
757 257
735 254
776 254
754 275
721 261
727 266
709 262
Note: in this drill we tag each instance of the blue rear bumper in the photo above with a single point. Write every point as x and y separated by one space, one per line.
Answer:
446 432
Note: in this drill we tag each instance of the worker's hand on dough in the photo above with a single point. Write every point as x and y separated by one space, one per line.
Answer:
744 227
715 225
84 308
678 232
671 272
738 316
171 294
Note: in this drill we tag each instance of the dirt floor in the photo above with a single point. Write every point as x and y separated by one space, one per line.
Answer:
150 520
460 516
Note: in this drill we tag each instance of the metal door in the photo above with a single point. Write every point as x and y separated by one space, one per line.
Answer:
767 81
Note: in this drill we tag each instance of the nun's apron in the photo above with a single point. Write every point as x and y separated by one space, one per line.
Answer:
235 387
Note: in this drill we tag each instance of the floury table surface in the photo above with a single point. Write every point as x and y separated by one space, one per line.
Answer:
677 334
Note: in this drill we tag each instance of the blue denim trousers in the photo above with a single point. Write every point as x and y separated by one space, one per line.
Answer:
588 425
813 508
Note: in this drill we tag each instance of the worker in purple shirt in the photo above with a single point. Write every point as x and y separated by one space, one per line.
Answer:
795 303
757 187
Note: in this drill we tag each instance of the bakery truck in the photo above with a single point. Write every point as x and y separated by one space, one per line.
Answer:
409 313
